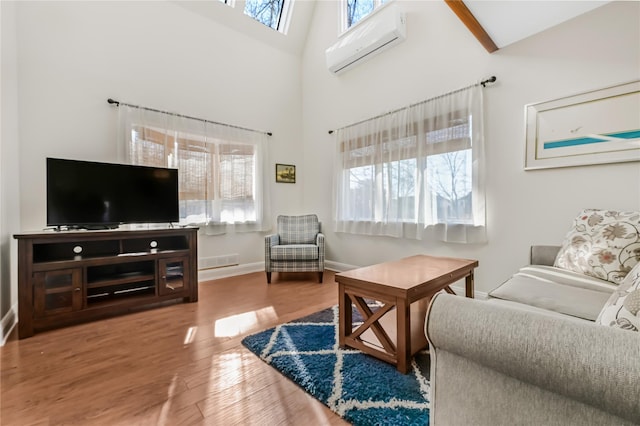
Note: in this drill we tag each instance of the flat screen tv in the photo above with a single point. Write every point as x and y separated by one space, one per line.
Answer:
86 194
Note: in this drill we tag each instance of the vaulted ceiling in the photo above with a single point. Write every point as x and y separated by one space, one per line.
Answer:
497 24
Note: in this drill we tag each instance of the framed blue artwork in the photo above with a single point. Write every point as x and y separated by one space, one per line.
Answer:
596 127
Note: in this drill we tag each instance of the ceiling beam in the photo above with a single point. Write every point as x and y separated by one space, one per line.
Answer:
467 18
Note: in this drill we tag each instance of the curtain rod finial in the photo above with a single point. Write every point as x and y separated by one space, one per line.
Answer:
112 101
491 79
330 132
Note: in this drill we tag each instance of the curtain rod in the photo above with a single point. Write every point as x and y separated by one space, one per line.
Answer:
483 83
118 103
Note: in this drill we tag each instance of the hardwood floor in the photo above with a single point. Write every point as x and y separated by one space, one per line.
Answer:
176 365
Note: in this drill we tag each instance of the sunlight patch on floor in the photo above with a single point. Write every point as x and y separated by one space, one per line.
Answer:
191 334
237 324
233 377
166 407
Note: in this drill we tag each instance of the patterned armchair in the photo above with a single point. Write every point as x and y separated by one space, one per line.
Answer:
297 247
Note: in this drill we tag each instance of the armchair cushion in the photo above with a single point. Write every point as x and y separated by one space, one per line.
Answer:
294 252
298 229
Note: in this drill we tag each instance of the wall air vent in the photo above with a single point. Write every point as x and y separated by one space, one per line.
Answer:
384 28
218 261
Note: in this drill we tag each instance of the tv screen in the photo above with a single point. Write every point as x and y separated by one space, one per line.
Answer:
91 194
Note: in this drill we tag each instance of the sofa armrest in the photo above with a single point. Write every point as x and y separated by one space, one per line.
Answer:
320 244
543 255
592 364
271 240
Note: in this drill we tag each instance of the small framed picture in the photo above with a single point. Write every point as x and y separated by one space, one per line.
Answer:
285 173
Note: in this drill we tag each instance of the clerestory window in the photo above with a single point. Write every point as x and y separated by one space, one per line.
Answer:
355 10
272 13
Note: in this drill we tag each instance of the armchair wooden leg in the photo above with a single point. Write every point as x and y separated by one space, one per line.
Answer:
268 277
320 277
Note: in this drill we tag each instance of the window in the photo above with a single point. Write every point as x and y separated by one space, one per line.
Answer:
355 10
449 173
414 170
271 13
220 168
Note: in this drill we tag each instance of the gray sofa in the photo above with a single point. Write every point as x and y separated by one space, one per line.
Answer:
532 353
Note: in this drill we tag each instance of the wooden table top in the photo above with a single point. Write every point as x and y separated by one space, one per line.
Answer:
401 276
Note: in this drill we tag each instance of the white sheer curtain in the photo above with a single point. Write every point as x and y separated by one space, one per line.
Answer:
222 170
416 172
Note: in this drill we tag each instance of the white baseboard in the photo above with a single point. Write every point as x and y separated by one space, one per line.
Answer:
229 271
338 267
7 324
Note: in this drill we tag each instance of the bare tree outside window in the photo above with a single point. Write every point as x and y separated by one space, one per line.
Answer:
396 186
361 187
449 174
406 173
267 12
387 191
400 185
358 9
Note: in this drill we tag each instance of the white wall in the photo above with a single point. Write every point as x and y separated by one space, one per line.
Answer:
592 51
72 56
9 195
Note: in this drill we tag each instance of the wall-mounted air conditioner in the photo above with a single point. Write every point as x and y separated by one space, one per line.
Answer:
386 27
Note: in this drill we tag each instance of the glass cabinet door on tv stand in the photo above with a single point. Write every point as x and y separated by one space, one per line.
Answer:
172 273
57 291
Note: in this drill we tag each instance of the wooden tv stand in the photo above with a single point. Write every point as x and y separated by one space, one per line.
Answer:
69 277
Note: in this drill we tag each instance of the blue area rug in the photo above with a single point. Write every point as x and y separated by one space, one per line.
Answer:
359 388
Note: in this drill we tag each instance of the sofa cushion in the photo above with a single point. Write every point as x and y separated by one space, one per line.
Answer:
529 308
565 277
556 290
602 243
622 310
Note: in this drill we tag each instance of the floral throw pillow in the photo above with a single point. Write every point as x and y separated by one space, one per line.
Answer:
622 310
602 243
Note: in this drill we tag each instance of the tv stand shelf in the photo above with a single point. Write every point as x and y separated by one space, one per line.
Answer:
66 277
120 279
